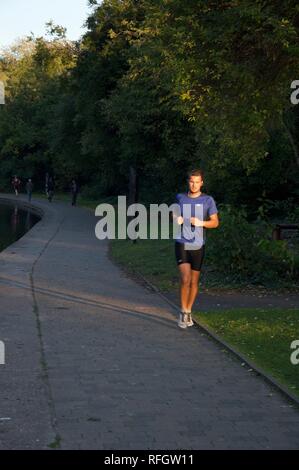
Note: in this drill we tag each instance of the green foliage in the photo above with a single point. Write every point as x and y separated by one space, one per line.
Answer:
243 250
34 70
162 87
220 60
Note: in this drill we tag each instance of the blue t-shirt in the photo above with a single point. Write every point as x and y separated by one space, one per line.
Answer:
201 207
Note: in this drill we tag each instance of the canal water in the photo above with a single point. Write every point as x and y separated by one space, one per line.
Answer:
14 223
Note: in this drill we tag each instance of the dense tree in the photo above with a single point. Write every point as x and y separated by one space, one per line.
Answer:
155 87
35 73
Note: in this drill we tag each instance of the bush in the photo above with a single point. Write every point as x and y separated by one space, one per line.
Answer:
286 210
92 192
246 251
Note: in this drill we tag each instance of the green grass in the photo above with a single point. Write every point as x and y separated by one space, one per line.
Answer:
154 259
263 336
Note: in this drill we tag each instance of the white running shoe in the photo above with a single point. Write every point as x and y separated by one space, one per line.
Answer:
189 319
183 320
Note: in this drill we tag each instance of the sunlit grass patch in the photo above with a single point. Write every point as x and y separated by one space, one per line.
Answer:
263 335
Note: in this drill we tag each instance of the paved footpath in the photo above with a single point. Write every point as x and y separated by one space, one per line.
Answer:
96 361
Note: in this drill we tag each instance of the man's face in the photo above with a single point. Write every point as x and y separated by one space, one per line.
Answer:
195 184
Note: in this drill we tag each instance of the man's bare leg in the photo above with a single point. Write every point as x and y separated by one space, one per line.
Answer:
185 284
193 290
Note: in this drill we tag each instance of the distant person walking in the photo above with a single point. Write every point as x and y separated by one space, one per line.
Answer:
74 191
198 212
29 189
47 184
16 184
50 188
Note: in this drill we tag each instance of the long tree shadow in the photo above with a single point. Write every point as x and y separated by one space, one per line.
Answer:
141 312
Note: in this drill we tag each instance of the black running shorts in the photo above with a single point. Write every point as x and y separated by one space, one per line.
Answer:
193 257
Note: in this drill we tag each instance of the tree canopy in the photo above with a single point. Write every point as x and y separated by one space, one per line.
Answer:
158 86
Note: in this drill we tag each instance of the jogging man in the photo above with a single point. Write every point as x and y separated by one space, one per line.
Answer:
198 212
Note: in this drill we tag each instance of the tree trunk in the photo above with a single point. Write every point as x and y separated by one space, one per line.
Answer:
292 142
133 189
132 185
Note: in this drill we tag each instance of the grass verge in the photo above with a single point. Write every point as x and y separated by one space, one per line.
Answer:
154 259
263 335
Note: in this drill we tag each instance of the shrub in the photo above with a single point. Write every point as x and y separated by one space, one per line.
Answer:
247 252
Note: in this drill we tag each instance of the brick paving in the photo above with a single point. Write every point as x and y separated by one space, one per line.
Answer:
96 361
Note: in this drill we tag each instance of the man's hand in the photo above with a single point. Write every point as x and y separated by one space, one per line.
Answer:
212 223
196 222
180 220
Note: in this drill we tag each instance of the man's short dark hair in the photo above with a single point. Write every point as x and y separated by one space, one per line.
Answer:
195 172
